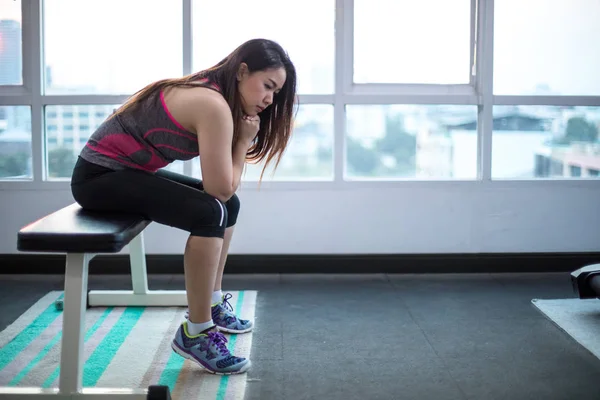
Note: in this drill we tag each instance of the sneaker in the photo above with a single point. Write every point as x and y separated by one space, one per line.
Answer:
225 319
209 351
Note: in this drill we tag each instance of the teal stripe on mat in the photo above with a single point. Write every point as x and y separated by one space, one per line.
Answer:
88 335
108 347
29 334
171 372
225 378
49 347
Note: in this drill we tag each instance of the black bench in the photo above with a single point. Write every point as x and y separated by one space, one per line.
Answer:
81 235
74 230
586 281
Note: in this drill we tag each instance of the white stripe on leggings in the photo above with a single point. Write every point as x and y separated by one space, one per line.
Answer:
222 211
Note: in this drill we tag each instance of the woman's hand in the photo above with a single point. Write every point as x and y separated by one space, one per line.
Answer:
249 128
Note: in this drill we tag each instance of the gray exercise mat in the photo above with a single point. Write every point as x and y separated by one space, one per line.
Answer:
579 318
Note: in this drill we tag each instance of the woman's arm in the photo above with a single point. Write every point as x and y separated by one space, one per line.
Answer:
214 127
240 150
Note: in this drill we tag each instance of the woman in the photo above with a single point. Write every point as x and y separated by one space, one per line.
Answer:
240 110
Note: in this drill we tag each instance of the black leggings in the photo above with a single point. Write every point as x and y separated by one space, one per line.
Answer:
165 197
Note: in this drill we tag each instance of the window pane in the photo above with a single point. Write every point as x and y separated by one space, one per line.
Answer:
15 143
425 41
11 57
309 155
119 46
68 129
546 47
411 141
311 50
545 142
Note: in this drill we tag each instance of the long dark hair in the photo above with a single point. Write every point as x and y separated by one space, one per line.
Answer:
275 121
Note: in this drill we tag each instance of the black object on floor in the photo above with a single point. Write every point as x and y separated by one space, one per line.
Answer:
586 281
157 392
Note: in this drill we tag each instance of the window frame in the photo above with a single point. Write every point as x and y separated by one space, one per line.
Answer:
479 93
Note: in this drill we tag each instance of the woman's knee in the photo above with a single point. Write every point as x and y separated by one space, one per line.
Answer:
202 222
233 209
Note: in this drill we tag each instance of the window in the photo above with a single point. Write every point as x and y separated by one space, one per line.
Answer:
64 142
305 31
411 141
546 48
11 56
397 117
108 60
15 143
539 141
426 41
309 155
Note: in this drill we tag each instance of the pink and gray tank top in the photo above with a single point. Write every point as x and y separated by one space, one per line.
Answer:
146 137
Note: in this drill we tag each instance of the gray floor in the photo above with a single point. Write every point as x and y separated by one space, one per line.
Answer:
391 336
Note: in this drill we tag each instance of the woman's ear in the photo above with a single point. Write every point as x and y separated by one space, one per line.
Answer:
242 71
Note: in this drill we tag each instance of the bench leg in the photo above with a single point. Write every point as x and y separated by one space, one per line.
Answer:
75 303
137 260
140 295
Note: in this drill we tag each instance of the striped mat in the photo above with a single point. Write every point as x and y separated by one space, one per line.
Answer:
125 347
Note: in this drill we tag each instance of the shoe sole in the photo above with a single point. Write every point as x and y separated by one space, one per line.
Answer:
190 357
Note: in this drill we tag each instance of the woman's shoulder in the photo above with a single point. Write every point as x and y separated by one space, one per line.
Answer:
207 100
197 106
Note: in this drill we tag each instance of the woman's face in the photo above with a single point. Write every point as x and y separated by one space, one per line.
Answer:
258 88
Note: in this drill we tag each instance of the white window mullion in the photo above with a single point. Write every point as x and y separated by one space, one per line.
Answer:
485 56
32 80
187 38
474 42
9 90
344 45
586 101
91 99
413 89
344 10
471 99
316 99
20 99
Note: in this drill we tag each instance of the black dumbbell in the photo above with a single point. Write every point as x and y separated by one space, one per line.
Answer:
158 392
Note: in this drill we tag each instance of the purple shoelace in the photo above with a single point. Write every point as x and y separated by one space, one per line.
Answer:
220 341
226 303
